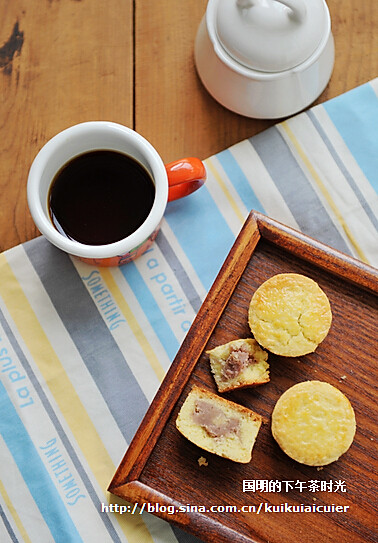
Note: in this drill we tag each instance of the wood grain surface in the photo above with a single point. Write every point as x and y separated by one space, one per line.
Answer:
161 466
68 61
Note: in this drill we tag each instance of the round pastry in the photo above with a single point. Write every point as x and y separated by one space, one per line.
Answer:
289 315
313 423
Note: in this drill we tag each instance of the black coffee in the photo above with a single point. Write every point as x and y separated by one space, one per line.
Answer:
100 197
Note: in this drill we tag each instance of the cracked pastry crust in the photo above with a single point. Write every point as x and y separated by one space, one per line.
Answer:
313 423
218 425
238 364
289 315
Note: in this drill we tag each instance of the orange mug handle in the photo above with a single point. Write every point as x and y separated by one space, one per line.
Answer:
184 177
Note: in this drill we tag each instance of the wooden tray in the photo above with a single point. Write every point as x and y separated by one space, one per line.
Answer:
161 466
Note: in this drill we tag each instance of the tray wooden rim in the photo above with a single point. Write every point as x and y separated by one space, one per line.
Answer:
257 226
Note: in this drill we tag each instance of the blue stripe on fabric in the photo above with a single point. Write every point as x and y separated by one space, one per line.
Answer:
58 427
151 309
239 180
202 232
340 164
34 473
355 115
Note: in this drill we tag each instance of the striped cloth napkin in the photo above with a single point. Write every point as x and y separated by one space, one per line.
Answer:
83 349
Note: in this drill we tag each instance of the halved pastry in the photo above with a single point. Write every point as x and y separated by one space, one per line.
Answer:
218 425
238 364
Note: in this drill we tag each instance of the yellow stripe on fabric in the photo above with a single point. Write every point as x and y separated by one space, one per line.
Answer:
323 190
133 323
64 393
14 514
226 191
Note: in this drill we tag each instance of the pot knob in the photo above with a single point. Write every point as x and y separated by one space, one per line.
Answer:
297 7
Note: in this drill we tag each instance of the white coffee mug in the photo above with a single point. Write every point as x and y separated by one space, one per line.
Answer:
171 181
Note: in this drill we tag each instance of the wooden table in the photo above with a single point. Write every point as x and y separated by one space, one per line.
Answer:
68 61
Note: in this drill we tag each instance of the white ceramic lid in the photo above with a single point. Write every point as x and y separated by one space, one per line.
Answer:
270 35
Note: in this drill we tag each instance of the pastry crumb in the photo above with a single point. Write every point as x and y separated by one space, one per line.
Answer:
202 461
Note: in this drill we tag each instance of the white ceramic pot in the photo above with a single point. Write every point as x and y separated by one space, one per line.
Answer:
265 58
